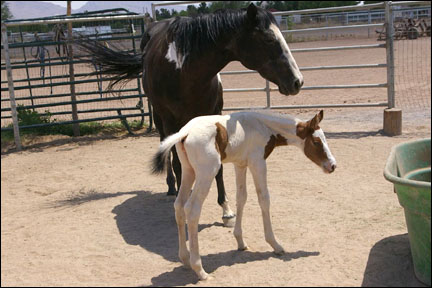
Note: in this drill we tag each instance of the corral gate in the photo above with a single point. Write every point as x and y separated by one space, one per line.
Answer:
43 79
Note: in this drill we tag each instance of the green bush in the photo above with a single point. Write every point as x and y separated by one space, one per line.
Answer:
29 117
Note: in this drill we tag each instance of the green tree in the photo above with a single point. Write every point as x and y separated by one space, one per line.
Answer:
228 5
164 13
202 8
300 5
191 10
5 12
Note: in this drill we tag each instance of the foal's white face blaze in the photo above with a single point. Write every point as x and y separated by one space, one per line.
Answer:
329 164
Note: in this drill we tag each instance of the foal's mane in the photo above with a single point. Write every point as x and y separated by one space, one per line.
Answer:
194 35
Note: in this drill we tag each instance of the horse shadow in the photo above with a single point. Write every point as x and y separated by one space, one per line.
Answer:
148 220
390 264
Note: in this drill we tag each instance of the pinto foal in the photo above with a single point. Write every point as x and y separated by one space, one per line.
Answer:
246 139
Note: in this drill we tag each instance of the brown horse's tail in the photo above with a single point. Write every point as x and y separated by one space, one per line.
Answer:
121 66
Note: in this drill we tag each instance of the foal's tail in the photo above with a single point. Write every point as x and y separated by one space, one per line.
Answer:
121 66
160 158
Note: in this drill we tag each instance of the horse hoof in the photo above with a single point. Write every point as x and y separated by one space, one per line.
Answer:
246 248
229 221
204 277
172 193
279 252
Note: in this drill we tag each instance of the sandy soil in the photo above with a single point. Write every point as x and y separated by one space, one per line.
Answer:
87 212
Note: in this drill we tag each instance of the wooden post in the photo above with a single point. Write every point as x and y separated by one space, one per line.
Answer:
11 88
393 122
75 126
392 116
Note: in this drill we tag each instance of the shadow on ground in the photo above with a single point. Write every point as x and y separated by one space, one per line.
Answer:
390 264
148 220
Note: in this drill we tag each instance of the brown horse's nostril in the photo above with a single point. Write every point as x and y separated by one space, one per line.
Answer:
298 84
333 167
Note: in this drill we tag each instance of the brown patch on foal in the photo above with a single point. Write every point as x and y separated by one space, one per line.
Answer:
274 141
314 150
305 129
221 139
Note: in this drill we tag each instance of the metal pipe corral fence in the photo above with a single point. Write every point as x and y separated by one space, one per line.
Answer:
34 83
389 62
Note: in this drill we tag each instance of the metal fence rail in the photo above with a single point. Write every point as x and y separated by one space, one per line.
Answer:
389 65
32 83
267 89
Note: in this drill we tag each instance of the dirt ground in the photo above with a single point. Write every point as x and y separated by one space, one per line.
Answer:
87 211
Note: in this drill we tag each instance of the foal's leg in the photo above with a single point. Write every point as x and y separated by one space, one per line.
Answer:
228 216
258 169
241 201
188 177
204 178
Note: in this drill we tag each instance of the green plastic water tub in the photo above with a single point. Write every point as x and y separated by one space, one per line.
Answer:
409 169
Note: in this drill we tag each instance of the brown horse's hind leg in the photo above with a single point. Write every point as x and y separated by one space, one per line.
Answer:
170 179
228 216
176 167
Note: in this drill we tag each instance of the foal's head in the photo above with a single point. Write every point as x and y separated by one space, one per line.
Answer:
261 46
315 144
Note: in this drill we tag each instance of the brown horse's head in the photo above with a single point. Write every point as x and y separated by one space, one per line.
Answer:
261 46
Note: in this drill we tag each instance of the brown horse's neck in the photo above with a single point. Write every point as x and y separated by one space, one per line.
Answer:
206 68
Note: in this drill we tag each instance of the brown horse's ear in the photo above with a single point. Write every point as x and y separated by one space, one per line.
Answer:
314 123
252 12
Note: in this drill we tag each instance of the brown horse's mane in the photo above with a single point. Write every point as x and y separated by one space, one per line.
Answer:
193 35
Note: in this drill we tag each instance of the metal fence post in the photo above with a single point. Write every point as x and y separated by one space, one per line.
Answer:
11 88
267 89
390 54
75 126
153 8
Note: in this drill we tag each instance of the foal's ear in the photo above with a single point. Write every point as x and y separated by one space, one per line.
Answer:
316 120
320 115
252 13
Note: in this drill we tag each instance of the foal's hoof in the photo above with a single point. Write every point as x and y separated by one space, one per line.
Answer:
245 248
279 252
203 276
229 221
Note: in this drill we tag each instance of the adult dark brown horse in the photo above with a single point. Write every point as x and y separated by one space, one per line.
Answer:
180 61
